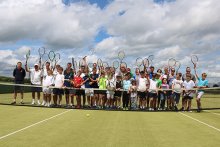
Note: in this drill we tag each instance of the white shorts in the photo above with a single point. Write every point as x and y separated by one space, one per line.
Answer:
89 92
200 94
110 94
47 90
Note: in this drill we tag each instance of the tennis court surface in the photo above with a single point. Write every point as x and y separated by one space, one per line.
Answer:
25 125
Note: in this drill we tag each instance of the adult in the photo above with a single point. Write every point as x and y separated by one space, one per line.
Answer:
36 77
188 71
68 75
19 75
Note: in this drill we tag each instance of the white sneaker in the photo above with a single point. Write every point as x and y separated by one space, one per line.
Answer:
33 102
38 102
43 103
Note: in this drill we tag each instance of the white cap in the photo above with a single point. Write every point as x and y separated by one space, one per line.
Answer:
35 64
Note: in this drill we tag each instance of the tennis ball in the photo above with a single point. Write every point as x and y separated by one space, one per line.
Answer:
87 115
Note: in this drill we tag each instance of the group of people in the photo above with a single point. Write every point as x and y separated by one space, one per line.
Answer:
104 88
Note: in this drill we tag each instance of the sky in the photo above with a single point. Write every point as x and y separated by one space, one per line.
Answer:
163 28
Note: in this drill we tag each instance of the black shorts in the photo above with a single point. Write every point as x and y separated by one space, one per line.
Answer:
168 94
118 93
152 95
58 91
19 88
36 89
67 91
188 97
100 91
142 95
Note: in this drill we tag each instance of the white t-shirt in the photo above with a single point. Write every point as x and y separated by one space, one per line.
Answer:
188 85
59 80
142 86
177 85
153 86
49 80
35 76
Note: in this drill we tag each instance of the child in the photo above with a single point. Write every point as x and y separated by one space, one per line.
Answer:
153 92
88 91
102 86
133 94
177 86
110 83
202 83
126 85
142 88
58 91
77 83
118 92
163 93
188 93
68 75
48 81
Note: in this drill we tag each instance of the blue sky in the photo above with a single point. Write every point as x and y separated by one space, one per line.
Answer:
139 27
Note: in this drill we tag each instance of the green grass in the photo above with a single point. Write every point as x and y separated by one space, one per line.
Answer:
106 128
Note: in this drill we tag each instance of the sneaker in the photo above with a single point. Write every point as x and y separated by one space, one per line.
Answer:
124 108
33 102
190 111
13 103
38 102
198 110
22 102
44 103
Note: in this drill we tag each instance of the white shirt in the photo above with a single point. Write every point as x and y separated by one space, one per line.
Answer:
177 85
153 86
49 80
35 76
188 85
142 86
59 80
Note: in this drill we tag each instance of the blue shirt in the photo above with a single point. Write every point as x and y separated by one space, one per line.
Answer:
68 76
126 84
202 83
87 85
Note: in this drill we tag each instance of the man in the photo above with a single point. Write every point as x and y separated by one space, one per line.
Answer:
68 75
44 75
19 74
36 76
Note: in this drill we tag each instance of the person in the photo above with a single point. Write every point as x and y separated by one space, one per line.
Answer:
36 78
78 82
177 85
133 94
151 72
118 92
110 85
141 89
68 75
126 97
163 93
170 99
102 92
19 75
188 84
45 70
48 81
94 84
153 92
88 90
59 84
202 83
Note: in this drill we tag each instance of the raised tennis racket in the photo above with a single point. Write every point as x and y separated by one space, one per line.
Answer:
150 59
178 65
99 62
41 52
51 57
121 55
73 64
194 60
115 64
57 58
105 64
28 56
139 62
171 62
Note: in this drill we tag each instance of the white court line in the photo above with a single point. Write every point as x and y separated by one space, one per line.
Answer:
2 137
212 112
200 121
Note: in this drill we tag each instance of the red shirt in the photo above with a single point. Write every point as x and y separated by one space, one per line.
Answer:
77 82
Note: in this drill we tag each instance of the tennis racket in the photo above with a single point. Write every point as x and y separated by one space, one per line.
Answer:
178 65
51 57
194 60
150 59
115 64
121 55
99 62
139 62
105 64
41 52
28 56
81 63
57 58
73 64
171 62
